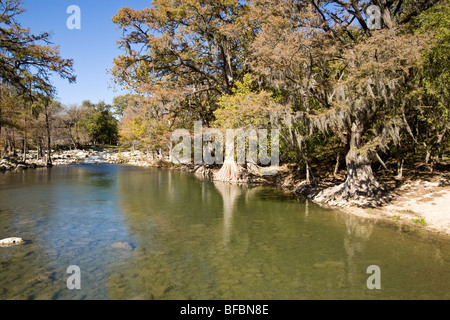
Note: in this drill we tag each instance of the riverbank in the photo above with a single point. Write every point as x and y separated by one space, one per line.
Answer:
33 160
421 200
416 203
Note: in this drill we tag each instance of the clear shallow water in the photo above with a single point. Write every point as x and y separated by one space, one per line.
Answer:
196 239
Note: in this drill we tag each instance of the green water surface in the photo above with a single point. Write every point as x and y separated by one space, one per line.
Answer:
197 239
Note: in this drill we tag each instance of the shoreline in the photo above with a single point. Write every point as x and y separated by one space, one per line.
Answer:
418 204
422 204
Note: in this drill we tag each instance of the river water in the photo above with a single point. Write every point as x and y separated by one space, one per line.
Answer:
189 238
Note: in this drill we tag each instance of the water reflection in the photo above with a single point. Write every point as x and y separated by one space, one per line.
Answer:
357 235
230 193
196 239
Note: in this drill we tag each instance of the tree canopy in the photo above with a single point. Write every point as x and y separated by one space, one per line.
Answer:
28 60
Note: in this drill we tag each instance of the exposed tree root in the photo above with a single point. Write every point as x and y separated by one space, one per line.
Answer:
231 172
365 193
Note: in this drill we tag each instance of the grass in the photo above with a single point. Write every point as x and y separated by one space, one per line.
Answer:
407 211
420 221
396 217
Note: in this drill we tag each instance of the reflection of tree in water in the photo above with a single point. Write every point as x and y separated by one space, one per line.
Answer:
358 233
230 193
174 231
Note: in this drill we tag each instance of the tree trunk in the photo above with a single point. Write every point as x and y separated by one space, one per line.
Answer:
400 169
39 151
72 138
360 179
77 137
336 167
13 145
310 176
400 162
360 183
230 170
25 141
49 147
1 153
170 151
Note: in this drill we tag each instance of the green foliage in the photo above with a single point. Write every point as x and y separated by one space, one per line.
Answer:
420 221
245 107
121 103
428 99
100 123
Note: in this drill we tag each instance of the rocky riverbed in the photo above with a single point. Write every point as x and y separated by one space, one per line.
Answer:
33 161
135 158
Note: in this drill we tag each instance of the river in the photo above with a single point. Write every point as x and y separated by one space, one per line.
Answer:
189 238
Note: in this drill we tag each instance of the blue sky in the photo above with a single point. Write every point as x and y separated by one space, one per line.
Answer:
92 48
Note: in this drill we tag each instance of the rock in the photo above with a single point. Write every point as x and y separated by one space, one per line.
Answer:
123 246
22 167
11 242
306 190
203 171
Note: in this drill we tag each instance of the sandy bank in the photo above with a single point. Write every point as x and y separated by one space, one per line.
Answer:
418 203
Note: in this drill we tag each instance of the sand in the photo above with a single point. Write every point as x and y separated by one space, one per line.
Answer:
419 203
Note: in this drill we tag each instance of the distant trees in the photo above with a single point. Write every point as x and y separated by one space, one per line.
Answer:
26 63
30 116
99 123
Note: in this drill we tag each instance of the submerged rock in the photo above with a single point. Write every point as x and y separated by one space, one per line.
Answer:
306 190
22 166
11 242
122 245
